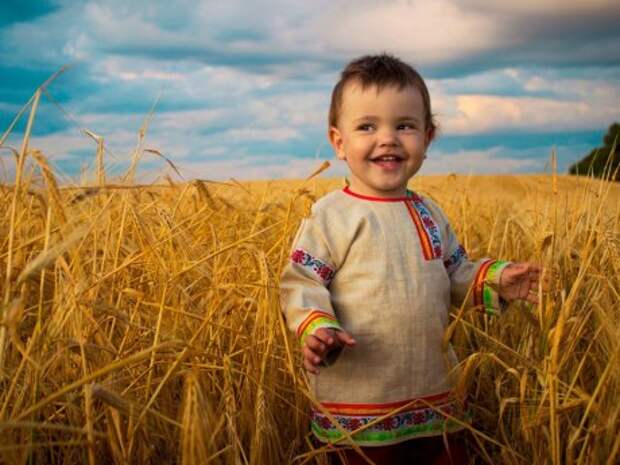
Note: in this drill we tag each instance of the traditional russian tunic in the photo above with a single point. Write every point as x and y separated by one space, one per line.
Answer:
386 271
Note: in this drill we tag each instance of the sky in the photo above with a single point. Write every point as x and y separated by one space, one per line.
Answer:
241 88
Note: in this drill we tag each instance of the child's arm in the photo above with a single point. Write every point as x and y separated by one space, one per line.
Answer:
305 298
493 283
482 276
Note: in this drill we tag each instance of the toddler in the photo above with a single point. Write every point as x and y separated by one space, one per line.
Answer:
373 273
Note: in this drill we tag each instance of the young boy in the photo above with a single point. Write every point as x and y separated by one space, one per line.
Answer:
373 273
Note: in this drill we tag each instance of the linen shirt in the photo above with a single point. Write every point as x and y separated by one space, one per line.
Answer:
387 271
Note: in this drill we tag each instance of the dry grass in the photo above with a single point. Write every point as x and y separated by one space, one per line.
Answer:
142 324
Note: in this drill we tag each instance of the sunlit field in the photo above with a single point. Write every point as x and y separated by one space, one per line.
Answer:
141 324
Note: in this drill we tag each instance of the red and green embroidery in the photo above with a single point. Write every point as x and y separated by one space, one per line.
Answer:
428 231
315 320
418 420
318 266
483 294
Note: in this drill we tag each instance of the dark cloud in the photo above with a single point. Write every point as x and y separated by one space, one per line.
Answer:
573 34
227 37
15 11
258 62
542 52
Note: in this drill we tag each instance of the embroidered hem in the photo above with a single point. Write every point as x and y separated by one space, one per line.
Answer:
420 420
317 319
485 284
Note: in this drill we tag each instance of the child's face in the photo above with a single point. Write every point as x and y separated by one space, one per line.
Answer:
382 137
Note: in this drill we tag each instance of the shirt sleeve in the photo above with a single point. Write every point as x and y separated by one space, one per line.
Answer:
482 276
304 282
474 283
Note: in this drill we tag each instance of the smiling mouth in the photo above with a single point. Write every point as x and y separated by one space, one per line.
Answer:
388 162
387 158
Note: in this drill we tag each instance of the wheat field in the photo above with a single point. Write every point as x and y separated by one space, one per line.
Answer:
141 324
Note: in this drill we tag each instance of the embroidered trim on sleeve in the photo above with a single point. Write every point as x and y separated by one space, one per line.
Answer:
318 266
485 281
453 262
315 320
427 228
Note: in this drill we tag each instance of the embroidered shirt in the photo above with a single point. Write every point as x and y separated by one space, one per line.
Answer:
387 271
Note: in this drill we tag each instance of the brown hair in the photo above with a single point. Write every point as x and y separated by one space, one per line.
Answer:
380 70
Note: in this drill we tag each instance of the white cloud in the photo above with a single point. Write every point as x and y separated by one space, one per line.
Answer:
57 145
256 134
195 79
242 74
265 168
486 113
119 24
187 120
297 108
424 32
526 99
597 91
479 162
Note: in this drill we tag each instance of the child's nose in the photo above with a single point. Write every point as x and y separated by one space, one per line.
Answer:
387 136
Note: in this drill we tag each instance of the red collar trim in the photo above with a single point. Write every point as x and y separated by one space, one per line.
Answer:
346 190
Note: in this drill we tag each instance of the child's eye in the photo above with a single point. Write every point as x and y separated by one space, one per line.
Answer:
365 127
405 126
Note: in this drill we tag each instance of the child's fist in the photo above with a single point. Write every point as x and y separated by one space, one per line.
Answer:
324 345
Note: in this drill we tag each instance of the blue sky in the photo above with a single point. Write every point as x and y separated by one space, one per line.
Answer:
242 88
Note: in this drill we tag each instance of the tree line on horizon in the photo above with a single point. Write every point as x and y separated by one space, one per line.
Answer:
602 161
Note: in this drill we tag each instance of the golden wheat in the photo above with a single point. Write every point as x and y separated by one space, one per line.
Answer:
142 324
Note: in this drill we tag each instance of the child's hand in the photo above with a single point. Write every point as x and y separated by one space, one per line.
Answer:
318 345
520 281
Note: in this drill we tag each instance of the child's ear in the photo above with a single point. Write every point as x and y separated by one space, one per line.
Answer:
335 139
430 136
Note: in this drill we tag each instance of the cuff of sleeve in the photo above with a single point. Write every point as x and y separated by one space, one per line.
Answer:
486 294
317 319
